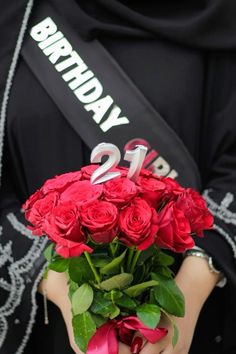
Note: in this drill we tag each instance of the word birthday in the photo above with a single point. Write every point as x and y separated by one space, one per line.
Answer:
82 81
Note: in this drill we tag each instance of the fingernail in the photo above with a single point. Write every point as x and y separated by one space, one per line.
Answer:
136 345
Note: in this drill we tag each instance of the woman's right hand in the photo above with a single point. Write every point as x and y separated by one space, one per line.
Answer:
57 291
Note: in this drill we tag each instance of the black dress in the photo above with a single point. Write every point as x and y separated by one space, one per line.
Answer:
182 57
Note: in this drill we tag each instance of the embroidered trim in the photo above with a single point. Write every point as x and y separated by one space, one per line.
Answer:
10 78
5 285
18 226
6 253
227 238
17 271
221 211
21 348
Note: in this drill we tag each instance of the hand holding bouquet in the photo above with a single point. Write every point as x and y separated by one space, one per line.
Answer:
109 239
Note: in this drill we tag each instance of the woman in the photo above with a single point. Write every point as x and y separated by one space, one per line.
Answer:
182 57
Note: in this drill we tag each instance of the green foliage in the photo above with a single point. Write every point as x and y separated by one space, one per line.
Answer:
98 319
119 281
137 289
100 261
126 302
82 299
149 314
140 273
72 288
164 271
146 254
79 270
175 336
164 259
84 328
168 295
113 295
115 313
102 306
175 328
49 252
113 266
59 264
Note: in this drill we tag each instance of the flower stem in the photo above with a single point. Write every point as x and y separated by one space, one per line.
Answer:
130 257
89 260
135 259
112 249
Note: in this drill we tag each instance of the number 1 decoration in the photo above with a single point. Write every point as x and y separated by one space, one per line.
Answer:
103 173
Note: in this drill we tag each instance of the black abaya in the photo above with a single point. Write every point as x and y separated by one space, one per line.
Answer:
182 57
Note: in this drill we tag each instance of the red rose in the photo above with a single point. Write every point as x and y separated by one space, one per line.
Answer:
64 228
174 229
82 192
100 218
139 224
38 210
195 209
72 249
119 191
87 171
152 188
64 222
146 173
173 189
59 183
123 170
32 199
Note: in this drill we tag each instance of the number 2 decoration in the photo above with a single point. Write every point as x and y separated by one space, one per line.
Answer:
103 173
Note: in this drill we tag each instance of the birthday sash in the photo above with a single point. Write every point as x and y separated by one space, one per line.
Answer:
98 99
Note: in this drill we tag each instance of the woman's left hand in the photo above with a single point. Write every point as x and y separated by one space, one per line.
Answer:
196 282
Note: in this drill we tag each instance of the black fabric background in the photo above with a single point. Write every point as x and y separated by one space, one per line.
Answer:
182 57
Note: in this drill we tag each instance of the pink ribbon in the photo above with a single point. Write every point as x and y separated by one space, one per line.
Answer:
105 340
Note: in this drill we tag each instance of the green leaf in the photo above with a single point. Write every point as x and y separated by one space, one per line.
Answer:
113 295
59 264
126 302
119 281
152 299
101 306
45 273
164 259
113 266
79 270
84 328
100 261
136 290
164 271
169 296
98 320
139 274
149 314
146 254
82 299
175 328
115 313
72 288
49 252
176 335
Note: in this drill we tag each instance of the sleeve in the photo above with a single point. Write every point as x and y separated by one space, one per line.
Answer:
218 162
21 268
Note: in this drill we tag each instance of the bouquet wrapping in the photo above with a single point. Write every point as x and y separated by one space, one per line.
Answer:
109 239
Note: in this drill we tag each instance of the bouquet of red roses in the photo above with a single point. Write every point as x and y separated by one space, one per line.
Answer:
108 238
